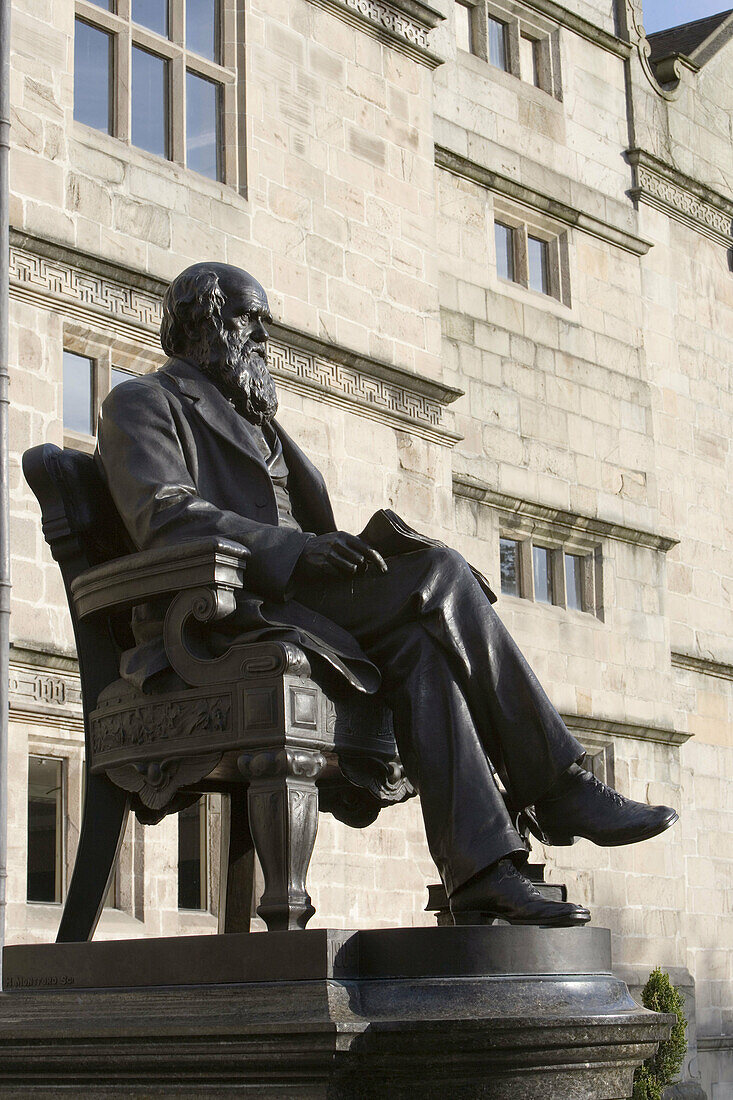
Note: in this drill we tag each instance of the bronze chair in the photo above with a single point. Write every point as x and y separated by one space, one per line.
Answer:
257 724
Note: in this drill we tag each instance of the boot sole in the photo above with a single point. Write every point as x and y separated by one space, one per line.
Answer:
477 916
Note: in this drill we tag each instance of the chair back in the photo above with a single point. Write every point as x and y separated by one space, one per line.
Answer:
83 529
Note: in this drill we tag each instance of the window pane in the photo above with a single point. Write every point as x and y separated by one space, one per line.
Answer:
92 76
497 43
537 259
149 96
202 27
463 28
504 238
108 5
78 393
574 581
529 60
152 14
509 566
119 375
192 857
44 829
203 124
542 574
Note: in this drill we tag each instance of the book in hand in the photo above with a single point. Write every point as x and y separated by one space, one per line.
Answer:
390 535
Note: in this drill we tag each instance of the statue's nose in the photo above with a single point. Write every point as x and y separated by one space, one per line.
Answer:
259 332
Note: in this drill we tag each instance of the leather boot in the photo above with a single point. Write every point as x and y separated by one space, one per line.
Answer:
503 892
579 805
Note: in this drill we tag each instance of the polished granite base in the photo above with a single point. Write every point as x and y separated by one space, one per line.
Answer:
486 1011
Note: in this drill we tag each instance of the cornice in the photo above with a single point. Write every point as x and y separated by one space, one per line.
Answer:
681 197
537 200
661 735
702 665
403 24
582 27
123 302
473 489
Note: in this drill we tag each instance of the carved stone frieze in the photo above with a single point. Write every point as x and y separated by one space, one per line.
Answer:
63 280
148 724
336 377
682 199
102 301
407 25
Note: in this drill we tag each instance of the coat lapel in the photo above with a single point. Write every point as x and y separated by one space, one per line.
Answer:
306 485
214 409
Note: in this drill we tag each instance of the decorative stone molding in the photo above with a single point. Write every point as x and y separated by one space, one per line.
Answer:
116 299
536 200
715 1042
403 24
47 696
580 26
673 71
473 489
702 665
661 735
681 197
376 391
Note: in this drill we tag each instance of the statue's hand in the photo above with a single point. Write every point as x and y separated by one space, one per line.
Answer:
337 554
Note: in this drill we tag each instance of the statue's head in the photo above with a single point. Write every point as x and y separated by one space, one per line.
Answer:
214 315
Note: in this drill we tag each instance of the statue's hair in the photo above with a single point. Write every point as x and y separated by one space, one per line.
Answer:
192 314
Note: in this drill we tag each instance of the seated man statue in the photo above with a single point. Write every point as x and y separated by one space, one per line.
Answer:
193 450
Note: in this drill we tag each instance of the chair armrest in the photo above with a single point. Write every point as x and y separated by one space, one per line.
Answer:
214 563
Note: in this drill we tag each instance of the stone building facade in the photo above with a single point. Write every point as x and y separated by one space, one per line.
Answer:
497 242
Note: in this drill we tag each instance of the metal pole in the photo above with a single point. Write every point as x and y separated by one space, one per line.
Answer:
4 481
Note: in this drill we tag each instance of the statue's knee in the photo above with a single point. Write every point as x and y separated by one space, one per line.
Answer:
448 564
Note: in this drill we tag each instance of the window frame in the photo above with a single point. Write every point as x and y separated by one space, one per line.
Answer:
520 23
106 355
62 832
226 73
470 9
591 570
531 224
202 808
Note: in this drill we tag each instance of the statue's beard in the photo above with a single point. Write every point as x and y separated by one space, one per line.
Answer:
240 371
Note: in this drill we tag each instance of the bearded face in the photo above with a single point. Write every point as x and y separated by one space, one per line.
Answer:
238 366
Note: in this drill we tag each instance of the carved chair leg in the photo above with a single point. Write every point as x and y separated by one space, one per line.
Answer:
237 864
283 815
102 830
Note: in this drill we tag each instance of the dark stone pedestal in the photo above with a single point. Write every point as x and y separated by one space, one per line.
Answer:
497 1012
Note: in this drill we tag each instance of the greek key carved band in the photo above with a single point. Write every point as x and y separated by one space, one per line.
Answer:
141 311
683 205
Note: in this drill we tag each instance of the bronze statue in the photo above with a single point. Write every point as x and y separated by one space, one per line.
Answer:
194 450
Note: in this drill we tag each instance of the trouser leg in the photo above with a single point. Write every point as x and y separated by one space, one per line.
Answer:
434 590
466 822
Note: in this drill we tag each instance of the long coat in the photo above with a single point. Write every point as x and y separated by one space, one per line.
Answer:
181 463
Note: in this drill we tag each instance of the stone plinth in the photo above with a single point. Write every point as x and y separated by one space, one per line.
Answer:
492 1012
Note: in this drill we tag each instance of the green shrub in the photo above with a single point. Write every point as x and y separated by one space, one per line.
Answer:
651 1079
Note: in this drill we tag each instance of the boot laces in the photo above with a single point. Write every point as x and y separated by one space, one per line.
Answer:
606 791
